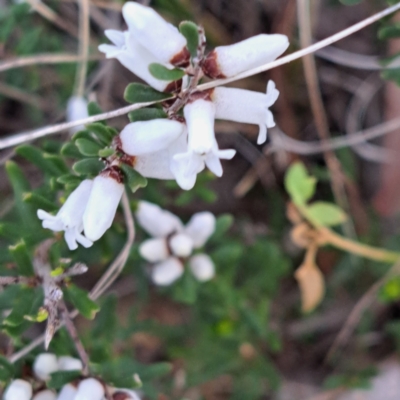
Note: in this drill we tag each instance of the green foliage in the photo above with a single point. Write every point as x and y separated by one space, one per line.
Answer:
22 258
191 32
134 180
81 301
7 369
88 166
139 93
325 214
299 184
146 114
163 73
350 2
60 378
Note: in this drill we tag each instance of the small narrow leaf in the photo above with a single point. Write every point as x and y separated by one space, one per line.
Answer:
191 32
299 184
325 214
104 153
21 256
69 179
94 109
146 114
81 301
134 179
88 148
39 201
70 150
60 378
84 134
7 369
102 132
22 306
139 93
89 166
162 73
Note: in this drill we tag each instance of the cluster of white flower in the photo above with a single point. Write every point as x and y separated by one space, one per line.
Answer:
172 243
86 389
181 149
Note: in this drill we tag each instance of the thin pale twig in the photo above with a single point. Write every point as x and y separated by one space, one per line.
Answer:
84 40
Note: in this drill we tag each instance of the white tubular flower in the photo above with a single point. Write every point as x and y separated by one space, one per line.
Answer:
44 365
155 34
76 109
67 363
18 389
89 389
155 221
227 61
45 395
167 272
133 56
202 146
200 227
246 106
102 205
202 267
154 250
67 392
143 137
181 245
69 217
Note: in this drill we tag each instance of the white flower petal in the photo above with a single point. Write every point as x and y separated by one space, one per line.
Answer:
116 37
76 109
44 365
45 395
89 389
202 267
154 250
200 227
246 106
101 207
143 137
155 34
18 389
154 165
167 272
67 392
181 245
227 61
156 221
68 363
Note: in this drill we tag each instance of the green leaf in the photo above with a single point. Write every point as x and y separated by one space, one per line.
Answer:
106 320
162 73
7 369
70 150
350 2
81 301
139 93
21 307
102 132
22 258
94 109
88 147
191 32
389 31
89 166
222 224
135 181
36 157
299 184
83 134
57 161
69 179
325 214
39 201
104 153
60 378
146 114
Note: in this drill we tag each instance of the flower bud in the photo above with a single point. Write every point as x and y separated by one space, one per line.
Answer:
142 137
181 245
155 34
45 395
154 250
44 365
133 56
76 109
18 389
89 389
102 205
228 61
200 227
67 363
156 221
167 272
67 392
202 267
246 106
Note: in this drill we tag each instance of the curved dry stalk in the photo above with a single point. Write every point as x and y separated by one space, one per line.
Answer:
44 59
38 133
84 40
